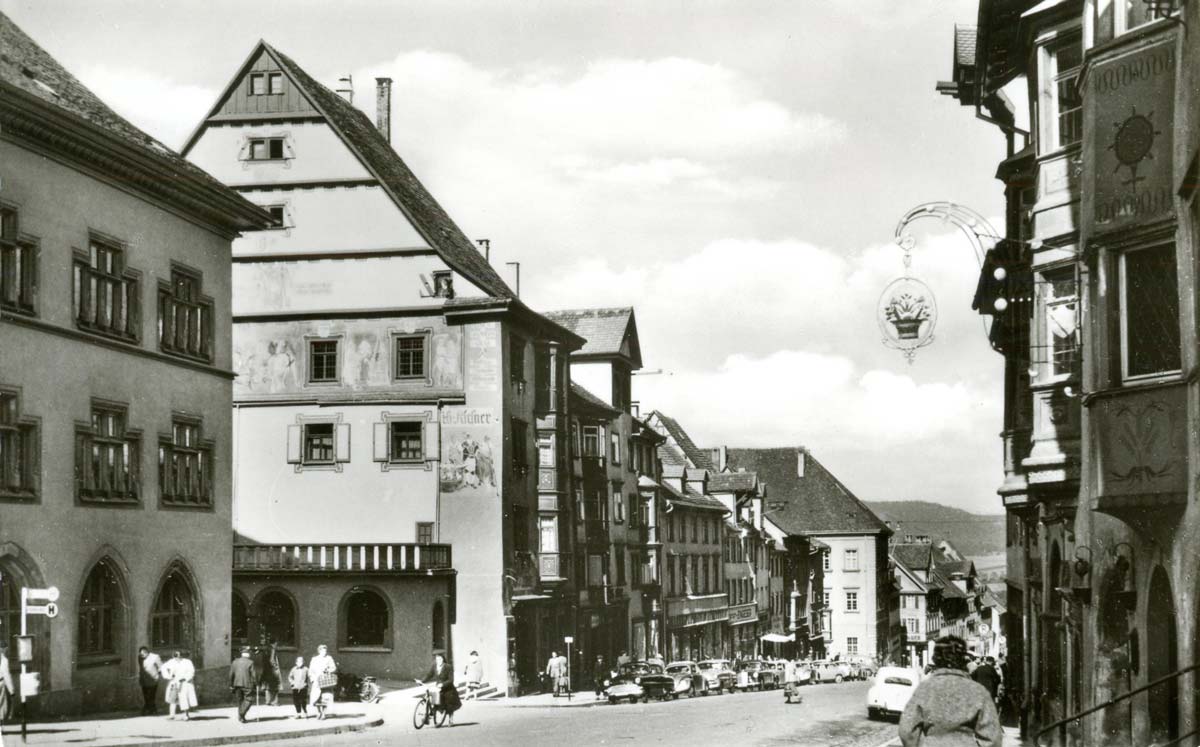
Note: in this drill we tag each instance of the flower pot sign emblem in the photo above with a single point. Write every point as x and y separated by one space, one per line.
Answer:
907 313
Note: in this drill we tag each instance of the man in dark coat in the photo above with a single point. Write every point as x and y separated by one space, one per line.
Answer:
242 680
948 709
986 675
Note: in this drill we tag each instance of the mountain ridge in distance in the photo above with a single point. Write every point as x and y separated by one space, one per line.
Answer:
973 534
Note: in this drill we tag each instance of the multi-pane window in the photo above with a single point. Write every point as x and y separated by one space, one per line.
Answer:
185 466
852 601
18 266
98 612
615 449
106 459
424 532
825 599
1067 58
852 645
266 149
1149 303
618 503
410 356
318 443
825 561
406 441
1061 315
851 560
18 450
184 317
591 441
520 445
258 84
106 292
173 620
322 361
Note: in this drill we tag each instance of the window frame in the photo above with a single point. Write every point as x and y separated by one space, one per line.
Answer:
26 431
306 460
293 623
274 76
614 440
200 340
202 450
159 616
1049 302
852 645
1050 77
24 251
344 621
268 143
310 361
851 598
425 374
110 613
85 274
850 554
421 527
392 426
129 441
1122 317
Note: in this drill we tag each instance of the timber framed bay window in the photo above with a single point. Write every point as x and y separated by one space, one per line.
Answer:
107 457
18 266
19 450
184 316
106 291
403 440
185 466
1061 115
318 442
1149 313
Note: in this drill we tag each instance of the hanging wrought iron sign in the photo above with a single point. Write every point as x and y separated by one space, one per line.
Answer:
907 310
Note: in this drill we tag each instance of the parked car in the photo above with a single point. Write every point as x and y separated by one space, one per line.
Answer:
639 680
862 667
830 671
892 688
688 679
719 675
804 673
757 675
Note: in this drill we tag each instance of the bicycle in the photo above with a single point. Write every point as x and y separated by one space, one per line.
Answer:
427 710
368 691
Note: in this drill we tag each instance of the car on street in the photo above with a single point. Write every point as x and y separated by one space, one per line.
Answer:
756 675
890 691
804 673
862 667
718 674
687 678
830 671
639 680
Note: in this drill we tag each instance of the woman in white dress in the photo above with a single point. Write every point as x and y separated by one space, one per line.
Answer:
181 692
321 680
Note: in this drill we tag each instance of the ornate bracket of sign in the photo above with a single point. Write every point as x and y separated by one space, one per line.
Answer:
907 310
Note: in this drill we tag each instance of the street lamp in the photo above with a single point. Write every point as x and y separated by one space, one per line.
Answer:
907 309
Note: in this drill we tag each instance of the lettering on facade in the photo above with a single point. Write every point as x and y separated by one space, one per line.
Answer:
469 453
1133 106
483 358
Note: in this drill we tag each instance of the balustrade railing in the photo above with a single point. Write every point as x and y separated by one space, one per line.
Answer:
342 557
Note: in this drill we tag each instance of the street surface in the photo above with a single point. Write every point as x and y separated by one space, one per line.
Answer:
831 716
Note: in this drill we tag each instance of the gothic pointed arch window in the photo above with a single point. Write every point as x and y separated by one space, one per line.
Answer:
101 613
173 617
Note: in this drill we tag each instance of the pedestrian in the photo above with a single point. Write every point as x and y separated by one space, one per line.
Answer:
473 671
7 688
181 692
986 675
947 708
552 671
149 668
599 675
440 680
298 681
242 679
269 675
322 680
623 659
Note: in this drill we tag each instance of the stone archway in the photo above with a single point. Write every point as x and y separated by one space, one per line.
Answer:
18 569
1162 658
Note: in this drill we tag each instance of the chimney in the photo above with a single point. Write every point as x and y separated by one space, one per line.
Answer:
345 88
383 107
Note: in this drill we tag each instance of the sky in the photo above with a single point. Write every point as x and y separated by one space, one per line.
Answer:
733 170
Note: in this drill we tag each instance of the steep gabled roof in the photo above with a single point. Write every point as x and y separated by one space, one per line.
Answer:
687 448
732 482
910 573
692 498
817 503
28 70
916 556
376 155
591 401
609 332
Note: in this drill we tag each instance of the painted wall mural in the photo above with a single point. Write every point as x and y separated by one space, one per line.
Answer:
271 358
471 452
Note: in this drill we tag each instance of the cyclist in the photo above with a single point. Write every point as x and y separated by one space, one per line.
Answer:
440 681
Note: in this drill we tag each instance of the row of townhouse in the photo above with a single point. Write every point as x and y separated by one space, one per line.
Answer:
1095 315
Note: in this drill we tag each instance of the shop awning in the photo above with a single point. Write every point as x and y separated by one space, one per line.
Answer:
777 638
528 597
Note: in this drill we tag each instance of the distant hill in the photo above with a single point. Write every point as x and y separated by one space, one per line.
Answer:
974 535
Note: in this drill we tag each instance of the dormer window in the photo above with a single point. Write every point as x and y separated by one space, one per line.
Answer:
443 284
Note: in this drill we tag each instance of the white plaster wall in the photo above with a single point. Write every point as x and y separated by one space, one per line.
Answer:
316 154
594 377
860 624
331 219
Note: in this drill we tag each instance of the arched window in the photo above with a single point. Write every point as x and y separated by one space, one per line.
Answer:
239 621
439 627
277 616
173 619
99 612
365 616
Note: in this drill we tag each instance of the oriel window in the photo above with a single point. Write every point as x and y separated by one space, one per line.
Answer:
1149 305
1066 60
1061 323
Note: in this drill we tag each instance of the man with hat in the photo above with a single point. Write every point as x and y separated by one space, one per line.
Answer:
241 680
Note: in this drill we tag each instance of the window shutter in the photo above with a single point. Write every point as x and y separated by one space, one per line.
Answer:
430 432
381 442
244 151
288 151
341 450
293 444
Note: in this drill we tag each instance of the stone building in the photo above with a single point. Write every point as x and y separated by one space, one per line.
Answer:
1092 292
115 387
395 402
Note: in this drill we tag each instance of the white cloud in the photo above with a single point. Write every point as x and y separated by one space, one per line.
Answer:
163 108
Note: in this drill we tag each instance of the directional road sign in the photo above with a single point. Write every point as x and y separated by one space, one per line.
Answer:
49 610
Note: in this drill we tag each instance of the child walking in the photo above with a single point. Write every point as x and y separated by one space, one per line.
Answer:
298 680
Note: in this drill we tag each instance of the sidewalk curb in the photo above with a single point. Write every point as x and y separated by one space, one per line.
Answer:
264 737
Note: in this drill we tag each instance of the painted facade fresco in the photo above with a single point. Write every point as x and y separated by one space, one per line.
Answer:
270 358
470 452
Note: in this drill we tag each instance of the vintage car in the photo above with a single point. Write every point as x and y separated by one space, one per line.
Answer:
889 693
830 671
688 680
757 675
862 667
804 673
718 674
639 680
